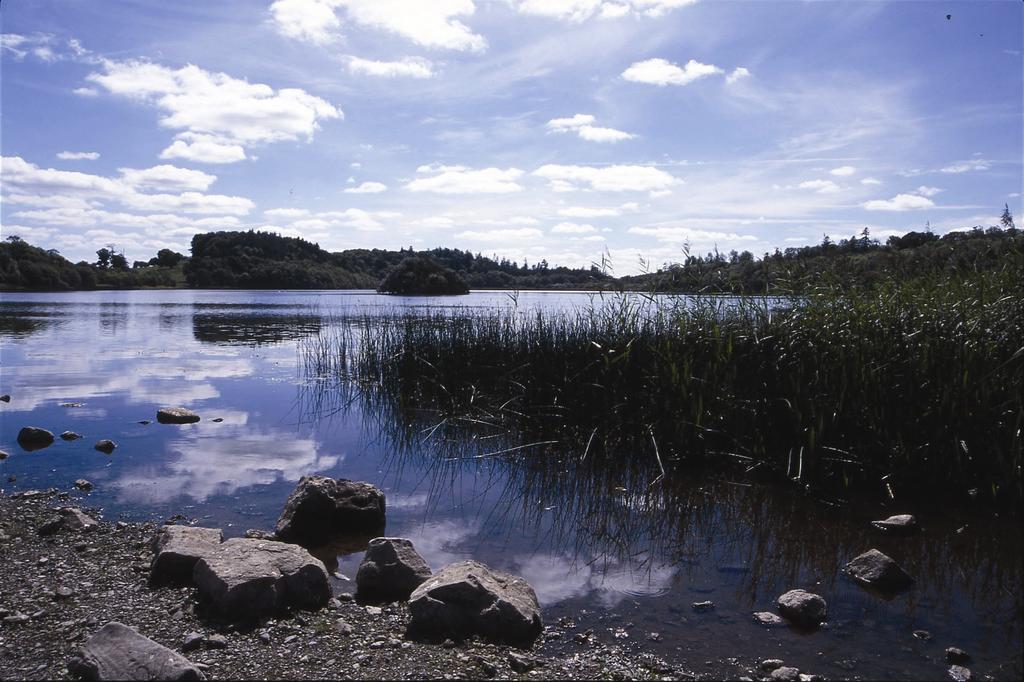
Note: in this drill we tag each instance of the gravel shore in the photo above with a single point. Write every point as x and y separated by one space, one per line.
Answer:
59 589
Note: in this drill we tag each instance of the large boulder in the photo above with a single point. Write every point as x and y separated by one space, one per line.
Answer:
900 524
390 570
70 520
468 598
176 415
876 570
246 579
803 608
321 507
34 438
176 549
117 652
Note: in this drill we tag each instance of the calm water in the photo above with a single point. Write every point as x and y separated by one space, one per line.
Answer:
598 546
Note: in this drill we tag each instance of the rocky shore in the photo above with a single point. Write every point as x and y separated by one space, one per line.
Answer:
60 588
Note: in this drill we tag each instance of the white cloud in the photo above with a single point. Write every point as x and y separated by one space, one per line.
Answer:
286 212
14 44
203 149
581 10
966 166
78 156
820 186
737 74
581 125
407 67
572 228
501 235
168 177
900 202
221 112
686 234
462 180
86 92
607 178
430 24
843 171
662 72
871 181
367 188
585 212
926 191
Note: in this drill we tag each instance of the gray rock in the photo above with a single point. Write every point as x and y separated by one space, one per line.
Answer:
34 438
117 652
145 422
176 549
176 415
785 674
901 524
468 598
106 445
520 664
702 606
959 673
70 520
770 664
192 641
246 579
83 485
321 508
768 619
390 570
70 435
876 570
5 398
958 656
216 642
803 608
3 455
257 534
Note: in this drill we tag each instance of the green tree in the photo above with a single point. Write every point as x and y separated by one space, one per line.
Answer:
103 258
1006 220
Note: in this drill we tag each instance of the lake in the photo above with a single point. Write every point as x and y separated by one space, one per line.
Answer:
612 554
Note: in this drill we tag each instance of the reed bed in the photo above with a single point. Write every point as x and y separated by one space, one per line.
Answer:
909 389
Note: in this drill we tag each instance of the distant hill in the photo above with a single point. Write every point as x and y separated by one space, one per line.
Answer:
422 275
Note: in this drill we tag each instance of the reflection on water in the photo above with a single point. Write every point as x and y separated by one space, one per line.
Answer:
600 537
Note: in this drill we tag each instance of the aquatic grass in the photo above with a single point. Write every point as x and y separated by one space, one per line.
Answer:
909 389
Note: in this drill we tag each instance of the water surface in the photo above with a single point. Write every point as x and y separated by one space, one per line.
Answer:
601 546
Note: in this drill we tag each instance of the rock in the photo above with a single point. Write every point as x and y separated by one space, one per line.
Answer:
216 642
247 579
176 549
70 435
468 598
343 627
192 641
876 570
803 608
117 652
768 619
34 438
256 534
923 635
702 606
72 405
770 664
105 446
83 485
68 519
901 524
390 570
144 422
217 420
321 507
785 674
958 656
3 455
959 673
520 664
63 592
176 415
5 398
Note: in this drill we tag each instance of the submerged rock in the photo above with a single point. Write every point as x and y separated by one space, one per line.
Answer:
118 652
5 398
70 435
321 508
960 673
176 550
105 446
176 415
3 455
785 674
34 438
248 579
876 570
391 570
768 619
83 485
803 608
958 656
468 598
68 519
901 524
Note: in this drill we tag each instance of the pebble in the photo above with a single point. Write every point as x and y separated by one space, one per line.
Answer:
63 592
264 637
923 635
959 673
290 638
216 642
192 641
373 610
768 619
702 606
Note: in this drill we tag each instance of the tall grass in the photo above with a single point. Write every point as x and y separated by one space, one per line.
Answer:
909 389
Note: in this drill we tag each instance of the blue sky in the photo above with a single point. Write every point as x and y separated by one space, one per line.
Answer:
557 129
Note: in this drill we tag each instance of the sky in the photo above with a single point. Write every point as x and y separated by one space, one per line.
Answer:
573 131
